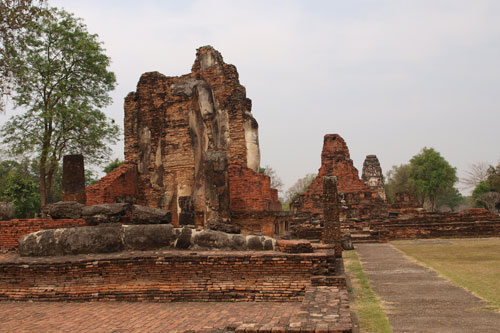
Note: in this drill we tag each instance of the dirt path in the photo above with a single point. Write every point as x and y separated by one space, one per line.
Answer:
416 299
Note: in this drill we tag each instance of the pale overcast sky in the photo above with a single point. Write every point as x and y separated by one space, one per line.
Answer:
389 76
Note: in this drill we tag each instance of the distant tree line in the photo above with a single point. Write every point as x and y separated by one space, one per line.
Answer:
487 191
429 178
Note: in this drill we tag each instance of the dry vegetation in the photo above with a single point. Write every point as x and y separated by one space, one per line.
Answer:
366 305
471 263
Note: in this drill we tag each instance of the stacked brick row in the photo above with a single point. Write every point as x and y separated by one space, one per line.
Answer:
420 224
244 276
12 230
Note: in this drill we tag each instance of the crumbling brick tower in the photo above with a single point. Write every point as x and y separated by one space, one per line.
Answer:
373 177
177 127
357 200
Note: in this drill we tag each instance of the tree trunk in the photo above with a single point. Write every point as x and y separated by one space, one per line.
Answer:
43 193
50 173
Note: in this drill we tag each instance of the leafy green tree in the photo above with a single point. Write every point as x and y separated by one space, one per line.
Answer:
481 188
431 175
451 198
14 18
493 178
19 186
62 82
398 180
90 177
112 165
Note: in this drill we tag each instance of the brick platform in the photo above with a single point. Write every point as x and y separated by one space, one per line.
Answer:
324 309
167 276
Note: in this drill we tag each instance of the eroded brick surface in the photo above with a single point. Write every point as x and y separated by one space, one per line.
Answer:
372 175
415 224
172 124
324 309
164 276
73 179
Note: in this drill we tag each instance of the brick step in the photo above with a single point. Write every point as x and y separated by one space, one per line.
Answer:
367 240
361 235
328 280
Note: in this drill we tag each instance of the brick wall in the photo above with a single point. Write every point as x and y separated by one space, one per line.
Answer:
167 276
120 184
12 230
251 191
420 224
269 223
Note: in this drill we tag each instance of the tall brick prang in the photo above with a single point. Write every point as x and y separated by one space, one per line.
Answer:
176 131
358 201
373 176
73 180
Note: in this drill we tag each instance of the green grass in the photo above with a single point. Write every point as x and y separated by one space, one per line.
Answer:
367 306
472 263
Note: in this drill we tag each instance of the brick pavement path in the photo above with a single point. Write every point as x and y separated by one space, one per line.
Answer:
323 309
416 299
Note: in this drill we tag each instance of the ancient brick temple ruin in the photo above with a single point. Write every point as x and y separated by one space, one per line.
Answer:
192 148
359 200
373 177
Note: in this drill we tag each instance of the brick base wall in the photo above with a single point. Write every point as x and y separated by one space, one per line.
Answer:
439 230
12 230
165 276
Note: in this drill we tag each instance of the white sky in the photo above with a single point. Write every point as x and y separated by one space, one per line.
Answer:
389 76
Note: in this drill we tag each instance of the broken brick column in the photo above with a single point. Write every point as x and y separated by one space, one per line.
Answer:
73 179
331 233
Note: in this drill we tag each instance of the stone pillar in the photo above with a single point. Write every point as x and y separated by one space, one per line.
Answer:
216 187
331 233
73 180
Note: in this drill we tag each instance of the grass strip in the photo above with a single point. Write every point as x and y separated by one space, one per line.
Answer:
473 264
367 306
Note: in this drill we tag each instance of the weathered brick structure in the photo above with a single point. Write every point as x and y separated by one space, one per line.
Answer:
372 175
331 233
195 145
417 223
169 276
73 180
358 201
404 201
